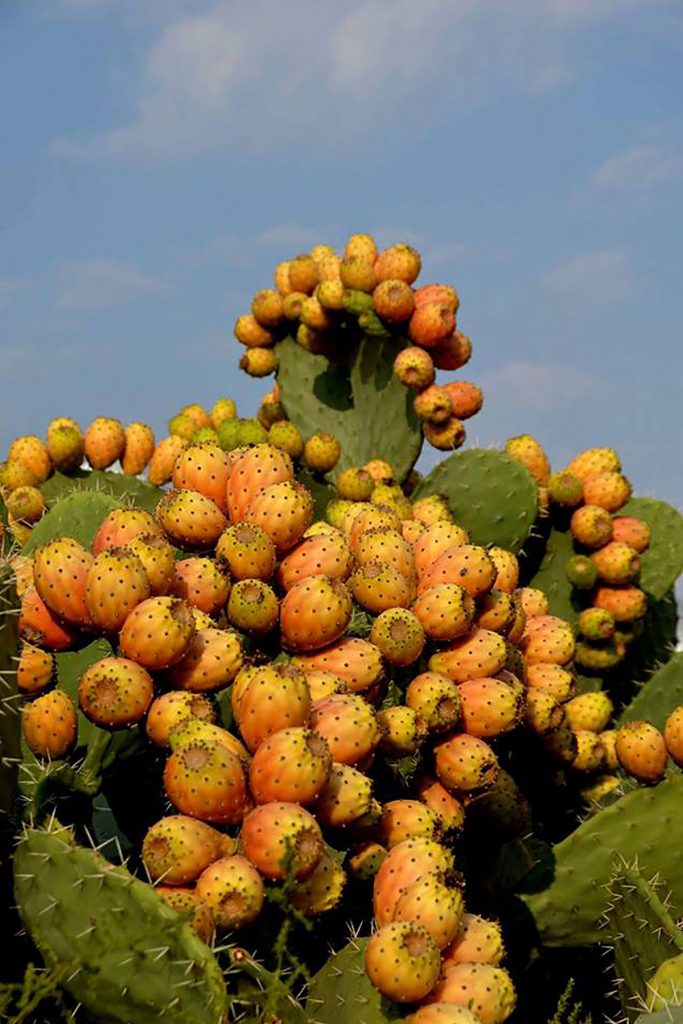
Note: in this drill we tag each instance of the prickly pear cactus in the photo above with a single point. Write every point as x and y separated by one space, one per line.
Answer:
366 408
10 751
657 698
78 515
131 956
127 489
341 993
552 579
662 563
491 495
639 924
639 825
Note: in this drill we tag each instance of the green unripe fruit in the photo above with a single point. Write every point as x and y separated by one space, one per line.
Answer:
270 413
321 452
565 489
372 325
598 657
336 511
581 572
355 484
666 985
26 504
596 624
287 437
356 302
228 434
250 432
182 425
205 434
223 409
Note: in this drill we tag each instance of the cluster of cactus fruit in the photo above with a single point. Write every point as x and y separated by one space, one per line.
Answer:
306 699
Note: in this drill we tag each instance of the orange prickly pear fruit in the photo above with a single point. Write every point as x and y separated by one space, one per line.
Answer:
527 450
400 729
33 454
445 436
377 587
279 832
170 709
158 632
393 301
641 751
178 848
247 551
589 712
314 613
160 469
269 698
252 471
542 712
292 765
105 441
435 699
414 368
204 780
552 678
284 511
41 627
138 448
590 752
431 324
465 764
361 245
433 404
445 611
50 724
497 611
356 661
434 509
400 262
387 547
123 525
466 398
507 569
202 583
211 662
534 602
616 563
673 735
443 293
632 531
60 572
404 864
34 670
440 537
451 812
593 461
610 491
205 468
486 990
479 941
402 961
407 819
625 604
399 635
551 643
323 555
480 653
250 333
190 520
453 352
115 584
158 561
232 889
467 565
303 274
115 693
489 707
430 902
266 308
349 726
346 798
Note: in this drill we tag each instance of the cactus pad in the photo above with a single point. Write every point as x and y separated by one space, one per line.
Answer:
643 933
552 578
78 516
494 497
662 563
10 750
128 489
366 408
132 957
341 992
569 909
657 698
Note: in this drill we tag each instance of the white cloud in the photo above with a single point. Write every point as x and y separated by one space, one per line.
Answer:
603 277
640 167
231 72
540 387
102 283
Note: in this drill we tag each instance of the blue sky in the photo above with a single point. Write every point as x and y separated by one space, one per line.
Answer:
160 157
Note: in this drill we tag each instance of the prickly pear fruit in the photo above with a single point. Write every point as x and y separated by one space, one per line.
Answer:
247 551
41 627
115 693
202 583
321 452
354 660
468 565
346 797
479 941
60 571
591 526
598 657
50 724
160 469
232 887
314 613
589 711
593 461
158 561
377 588
607 490
158 632
170 709
25 505
185 901
439 537
284 511
489 707
291 765
534 602
665 987
486 990
400 731
625 604
450 811
632 531
542 711
105 442
616 563
465 763
401 867
210 663
399 636
177 849
253 607
402 960
407 819
590 752
478 654
323 888
528 451
204 468
192 521
349 726
641 751
442 1013
596 624
137 448
435 699
252 472
204 780
438 907
414 367
673 735
552 643
322 555
278 836
34 670
123 525
116 584
30 452
445 611
267 699
581 572
65 445
566 489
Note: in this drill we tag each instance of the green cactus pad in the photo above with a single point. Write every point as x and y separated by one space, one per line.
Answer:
341 992
639 925
78 516
672 1015
640 825
366 408
552 579
322 492
132 957
657 698
662 563
10 730
128 489
494 497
